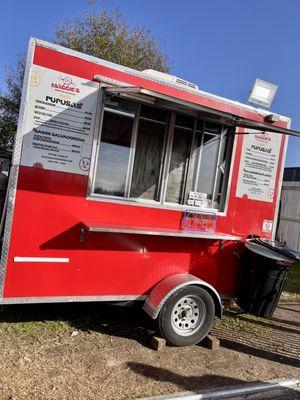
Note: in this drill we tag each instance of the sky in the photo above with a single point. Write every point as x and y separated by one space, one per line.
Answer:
221 45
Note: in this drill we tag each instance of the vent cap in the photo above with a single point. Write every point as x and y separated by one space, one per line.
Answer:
170 78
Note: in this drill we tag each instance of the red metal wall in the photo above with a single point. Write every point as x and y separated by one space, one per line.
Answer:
51 207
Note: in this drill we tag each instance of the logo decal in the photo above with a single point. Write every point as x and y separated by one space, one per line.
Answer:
35 78
38 165
65 84
84 164
270 193
263 137
267 226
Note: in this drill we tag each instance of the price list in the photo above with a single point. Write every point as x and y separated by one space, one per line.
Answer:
60 122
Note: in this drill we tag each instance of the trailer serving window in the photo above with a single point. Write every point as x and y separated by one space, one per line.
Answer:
149 154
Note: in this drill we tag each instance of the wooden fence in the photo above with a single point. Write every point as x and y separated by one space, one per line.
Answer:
289 215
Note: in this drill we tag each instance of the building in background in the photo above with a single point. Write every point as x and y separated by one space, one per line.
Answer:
291 174
289 214
5 161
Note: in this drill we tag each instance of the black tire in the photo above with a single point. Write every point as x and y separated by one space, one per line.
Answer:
194 326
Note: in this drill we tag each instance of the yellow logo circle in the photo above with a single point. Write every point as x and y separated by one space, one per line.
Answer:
35 78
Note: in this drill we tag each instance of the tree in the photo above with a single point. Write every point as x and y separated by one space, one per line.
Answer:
110 37
10 104
105 35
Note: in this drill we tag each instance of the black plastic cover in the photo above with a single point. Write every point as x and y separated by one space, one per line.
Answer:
277 247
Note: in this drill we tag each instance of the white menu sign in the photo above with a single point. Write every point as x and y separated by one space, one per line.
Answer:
258 166
60 121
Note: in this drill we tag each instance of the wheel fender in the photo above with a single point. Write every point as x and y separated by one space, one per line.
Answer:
166 287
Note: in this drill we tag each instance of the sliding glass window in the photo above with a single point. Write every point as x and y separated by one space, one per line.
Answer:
114 150
131 150
198 165
180 156
151 136
143 157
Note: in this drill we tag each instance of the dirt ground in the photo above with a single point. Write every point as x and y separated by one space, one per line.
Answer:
98 351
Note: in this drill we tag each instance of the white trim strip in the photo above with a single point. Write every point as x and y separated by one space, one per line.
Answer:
71 299
42 259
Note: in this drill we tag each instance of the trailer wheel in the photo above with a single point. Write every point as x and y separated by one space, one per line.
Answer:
187 316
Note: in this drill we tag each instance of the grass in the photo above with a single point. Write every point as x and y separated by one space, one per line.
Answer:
34 327
235 319
38 319
292 284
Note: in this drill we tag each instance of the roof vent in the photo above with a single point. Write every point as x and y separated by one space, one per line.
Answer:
170 78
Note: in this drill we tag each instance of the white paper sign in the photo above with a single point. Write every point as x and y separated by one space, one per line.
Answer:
258 166
267 226
60 121
198 196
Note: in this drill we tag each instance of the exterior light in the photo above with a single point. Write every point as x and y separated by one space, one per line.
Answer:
273 118
262 93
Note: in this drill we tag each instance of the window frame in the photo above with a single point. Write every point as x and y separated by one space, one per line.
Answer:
189 174
165 161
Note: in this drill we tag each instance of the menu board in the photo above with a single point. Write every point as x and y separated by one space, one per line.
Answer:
258 166
60 121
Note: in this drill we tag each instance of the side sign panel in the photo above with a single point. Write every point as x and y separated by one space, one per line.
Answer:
60 121
258 166
199 221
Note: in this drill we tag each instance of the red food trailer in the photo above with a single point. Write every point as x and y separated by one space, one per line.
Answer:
135 185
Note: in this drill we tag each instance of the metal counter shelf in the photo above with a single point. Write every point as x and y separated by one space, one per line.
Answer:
152 231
